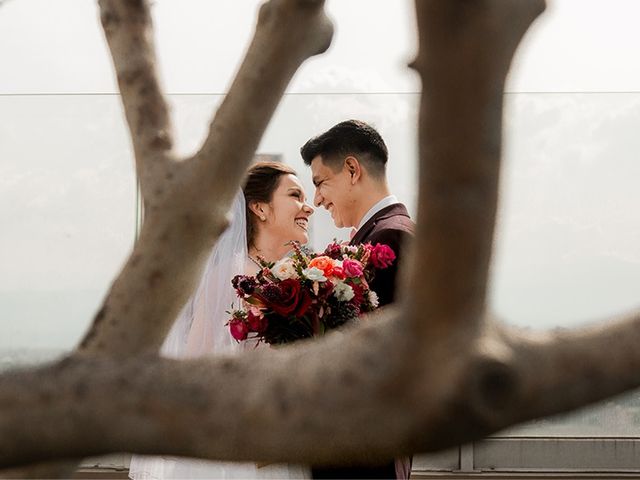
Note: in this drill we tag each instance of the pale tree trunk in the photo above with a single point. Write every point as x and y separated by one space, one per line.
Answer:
433 371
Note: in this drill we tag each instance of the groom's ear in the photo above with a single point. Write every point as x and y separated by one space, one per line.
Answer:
353 167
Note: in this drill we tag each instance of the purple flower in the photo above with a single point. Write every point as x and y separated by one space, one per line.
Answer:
271 293
333 250
244 284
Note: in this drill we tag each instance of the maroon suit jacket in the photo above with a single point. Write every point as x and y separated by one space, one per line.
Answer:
392 226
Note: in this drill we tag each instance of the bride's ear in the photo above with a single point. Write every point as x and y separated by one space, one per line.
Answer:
259 210
352 165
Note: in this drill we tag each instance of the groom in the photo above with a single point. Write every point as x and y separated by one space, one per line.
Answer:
348 163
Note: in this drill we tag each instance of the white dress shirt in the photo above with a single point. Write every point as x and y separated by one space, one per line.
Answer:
384 203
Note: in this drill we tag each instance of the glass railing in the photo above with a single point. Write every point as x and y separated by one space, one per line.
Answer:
566 243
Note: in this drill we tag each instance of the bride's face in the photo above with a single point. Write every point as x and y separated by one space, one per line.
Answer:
288 216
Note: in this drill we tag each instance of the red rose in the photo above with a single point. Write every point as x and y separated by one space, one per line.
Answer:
325 289
338 272
382 255
293 299
257 323
239 329
358 294
303 304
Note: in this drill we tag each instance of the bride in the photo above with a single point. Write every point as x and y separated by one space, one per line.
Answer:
270 211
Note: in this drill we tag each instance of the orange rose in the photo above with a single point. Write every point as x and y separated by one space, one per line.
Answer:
323 263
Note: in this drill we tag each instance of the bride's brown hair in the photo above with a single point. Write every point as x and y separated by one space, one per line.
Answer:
262 180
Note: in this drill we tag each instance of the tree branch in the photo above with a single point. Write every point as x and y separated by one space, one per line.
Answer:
465 49
461 375
187 204
552 372
287 33
129 32
504 377
288 392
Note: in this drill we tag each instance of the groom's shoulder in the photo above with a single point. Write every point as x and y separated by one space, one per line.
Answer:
393 227
394 217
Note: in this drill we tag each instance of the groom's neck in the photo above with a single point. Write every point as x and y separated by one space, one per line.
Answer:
368 199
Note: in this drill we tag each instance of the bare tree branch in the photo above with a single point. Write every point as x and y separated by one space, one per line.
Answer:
465 49
505 377
52 469
187 202
287 33
273 391
460 374
129 33
559 371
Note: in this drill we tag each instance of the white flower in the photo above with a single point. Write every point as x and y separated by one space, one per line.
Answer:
373 299
284 269
343 292
314 274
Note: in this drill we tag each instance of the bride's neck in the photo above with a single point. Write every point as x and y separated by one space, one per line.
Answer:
271 249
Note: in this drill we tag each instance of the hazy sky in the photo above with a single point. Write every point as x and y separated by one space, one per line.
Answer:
567 243
578 45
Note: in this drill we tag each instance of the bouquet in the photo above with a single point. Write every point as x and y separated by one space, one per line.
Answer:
308 293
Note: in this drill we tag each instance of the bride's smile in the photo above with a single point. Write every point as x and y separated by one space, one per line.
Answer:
303 223
283 219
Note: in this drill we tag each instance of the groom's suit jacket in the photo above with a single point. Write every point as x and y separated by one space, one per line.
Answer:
392 226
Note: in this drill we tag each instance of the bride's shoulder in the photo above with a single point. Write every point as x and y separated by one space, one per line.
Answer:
251 267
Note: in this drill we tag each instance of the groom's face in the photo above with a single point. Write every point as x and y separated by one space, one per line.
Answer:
333 190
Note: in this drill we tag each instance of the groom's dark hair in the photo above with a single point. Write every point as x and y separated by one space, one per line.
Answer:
351 137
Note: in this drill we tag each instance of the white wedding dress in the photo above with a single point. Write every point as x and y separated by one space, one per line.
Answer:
200 330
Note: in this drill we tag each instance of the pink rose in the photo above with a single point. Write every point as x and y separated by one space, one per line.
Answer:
352 268
382 255
239 329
